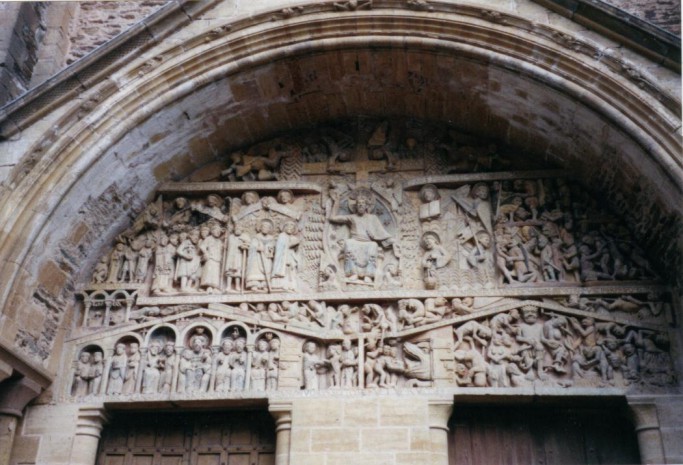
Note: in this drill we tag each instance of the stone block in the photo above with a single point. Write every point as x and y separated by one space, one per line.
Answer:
361 459
52 278
420 439
412 458
55 449
335 439
300 440
307 459
25 449
361 412
385 439
316 412
672 440
670 412
410 412
50 419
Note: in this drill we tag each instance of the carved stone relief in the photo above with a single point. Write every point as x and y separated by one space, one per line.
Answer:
373 254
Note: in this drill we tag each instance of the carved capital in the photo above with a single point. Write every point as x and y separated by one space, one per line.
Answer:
646 422
440 410
91 420
282 412
16 394
644 413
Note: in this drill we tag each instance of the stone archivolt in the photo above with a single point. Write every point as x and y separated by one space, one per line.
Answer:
358 257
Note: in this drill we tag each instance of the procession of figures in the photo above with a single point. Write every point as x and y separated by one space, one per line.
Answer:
435 237
473 236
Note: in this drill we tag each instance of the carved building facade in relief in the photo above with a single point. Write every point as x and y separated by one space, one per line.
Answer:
359 269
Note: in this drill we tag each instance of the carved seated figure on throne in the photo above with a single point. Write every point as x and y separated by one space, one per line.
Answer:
361 250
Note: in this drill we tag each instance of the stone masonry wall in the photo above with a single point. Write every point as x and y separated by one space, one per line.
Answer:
98 22
665 14
373 430
22 30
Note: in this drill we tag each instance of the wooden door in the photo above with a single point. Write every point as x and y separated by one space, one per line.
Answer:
541 436
212 438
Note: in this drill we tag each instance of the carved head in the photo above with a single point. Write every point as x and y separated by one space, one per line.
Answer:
346 344
214 201
97 357
169 348
285 196
430 239
240 344
628 349
480 191
275 344
154 347
84 357
428 193
194 235
263 345
180 203
250 198
226 346
204 231
290 228
333 350
310 347
174 239
266 227
484 239
134 347
120 348
364 201
198 342
530 314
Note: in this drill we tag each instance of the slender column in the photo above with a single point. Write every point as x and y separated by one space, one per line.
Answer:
89 426
439 413
282 412
646 422
14 396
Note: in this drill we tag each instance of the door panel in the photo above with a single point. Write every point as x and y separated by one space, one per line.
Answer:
549 436
225 438
239 459
266 459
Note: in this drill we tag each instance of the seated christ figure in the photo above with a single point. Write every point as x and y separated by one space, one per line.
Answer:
367 234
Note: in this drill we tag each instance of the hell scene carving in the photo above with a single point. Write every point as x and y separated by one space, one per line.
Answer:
371 255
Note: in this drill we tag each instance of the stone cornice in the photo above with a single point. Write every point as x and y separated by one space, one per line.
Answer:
658 44
24 366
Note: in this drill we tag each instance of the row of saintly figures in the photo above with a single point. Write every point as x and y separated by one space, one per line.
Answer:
192 251
193 369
